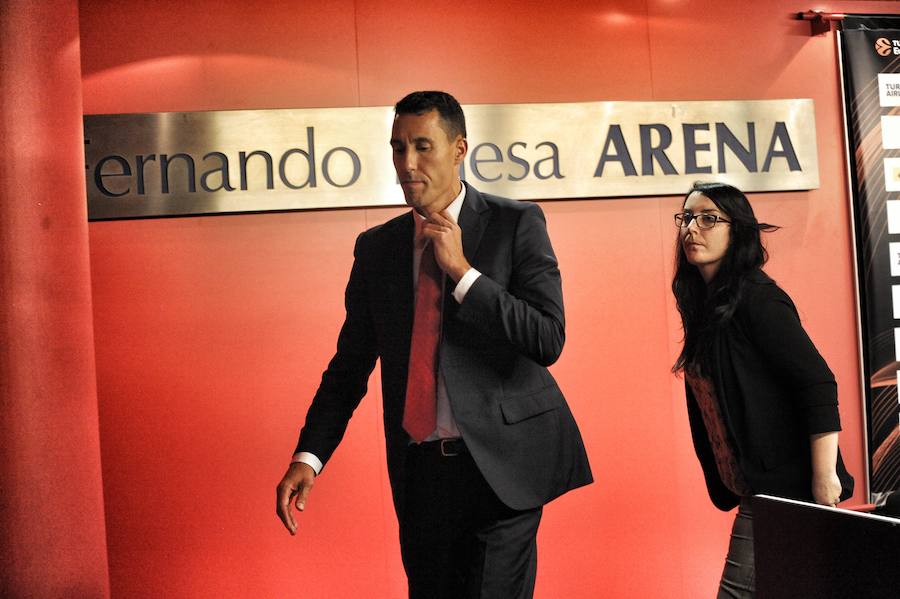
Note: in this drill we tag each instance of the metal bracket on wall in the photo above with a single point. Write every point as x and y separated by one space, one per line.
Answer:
819 21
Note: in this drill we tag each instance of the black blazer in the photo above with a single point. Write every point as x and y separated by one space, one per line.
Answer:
775 390
495 348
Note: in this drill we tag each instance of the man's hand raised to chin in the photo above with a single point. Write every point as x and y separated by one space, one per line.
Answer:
446 236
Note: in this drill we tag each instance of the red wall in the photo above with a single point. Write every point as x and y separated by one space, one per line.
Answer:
211 332
52 536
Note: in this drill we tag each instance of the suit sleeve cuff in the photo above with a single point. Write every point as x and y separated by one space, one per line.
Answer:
465 282
309 459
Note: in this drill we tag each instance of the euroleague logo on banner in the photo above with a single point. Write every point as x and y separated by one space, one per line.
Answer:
886 47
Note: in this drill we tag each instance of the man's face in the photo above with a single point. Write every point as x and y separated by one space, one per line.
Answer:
426 161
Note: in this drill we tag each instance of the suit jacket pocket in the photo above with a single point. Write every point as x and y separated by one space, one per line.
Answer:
522 407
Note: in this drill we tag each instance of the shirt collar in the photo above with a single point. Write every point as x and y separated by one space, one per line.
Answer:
456 205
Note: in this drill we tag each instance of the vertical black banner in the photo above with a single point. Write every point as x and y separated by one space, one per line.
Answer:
870 53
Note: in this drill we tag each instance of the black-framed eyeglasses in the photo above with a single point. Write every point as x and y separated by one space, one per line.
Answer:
704 220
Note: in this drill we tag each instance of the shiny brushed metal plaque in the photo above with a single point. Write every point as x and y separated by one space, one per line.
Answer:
167 164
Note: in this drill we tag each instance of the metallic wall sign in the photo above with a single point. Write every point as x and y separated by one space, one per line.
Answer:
181 163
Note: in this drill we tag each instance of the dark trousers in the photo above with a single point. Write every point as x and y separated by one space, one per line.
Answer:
739 575
457 539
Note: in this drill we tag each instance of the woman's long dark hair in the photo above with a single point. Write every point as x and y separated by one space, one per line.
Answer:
704 308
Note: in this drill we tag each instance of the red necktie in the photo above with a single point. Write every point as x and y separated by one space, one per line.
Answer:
420 412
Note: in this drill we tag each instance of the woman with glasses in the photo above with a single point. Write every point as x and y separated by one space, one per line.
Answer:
762 403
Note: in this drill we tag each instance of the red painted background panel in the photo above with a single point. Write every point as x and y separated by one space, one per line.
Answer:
173 56
212 332
506 52
52 536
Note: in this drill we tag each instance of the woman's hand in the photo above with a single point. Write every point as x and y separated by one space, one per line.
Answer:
826 488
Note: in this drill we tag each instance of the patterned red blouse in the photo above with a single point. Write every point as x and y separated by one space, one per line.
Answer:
726 459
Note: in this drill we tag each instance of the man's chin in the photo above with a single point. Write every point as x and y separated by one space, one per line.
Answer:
414 201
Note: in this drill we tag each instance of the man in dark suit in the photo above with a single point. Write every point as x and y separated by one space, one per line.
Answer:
462 302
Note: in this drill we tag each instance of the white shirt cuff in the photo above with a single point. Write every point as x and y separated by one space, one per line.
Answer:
309 459
462 288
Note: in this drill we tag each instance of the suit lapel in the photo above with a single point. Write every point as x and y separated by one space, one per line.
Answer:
396 269
472 220
404 265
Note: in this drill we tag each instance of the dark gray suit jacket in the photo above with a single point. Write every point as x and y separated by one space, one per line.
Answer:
495 348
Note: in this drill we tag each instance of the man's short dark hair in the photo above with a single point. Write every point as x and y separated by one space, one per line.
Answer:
451 113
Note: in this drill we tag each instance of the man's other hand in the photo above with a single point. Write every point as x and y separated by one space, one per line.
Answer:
297 483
